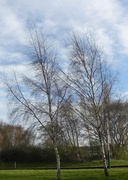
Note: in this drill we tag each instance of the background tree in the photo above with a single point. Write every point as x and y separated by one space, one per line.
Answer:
15 136
14 139
118 127
71 128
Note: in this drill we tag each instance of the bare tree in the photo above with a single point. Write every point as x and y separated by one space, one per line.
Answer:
71 128
118 125
37 98
88 75
15 136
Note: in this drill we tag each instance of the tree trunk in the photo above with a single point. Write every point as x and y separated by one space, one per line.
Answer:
104 158
57 161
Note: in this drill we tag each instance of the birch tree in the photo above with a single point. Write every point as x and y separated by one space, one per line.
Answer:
88 75
36 98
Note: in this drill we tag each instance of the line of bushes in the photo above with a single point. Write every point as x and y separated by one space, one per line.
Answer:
38 154
67 154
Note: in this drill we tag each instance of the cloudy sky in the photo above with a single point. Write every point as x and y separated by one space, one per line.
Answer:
106 19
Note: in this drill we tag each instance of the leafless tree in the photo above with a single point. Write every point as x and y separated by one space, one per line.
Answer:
36 98
118 125
88 76
71 128
15 136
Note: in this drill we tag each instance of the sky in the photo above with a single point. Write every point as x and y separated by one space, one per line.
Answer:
107 20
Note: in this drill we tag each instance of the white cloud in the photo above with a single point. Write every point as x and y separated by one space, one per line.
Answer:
12 27
102 16
3 111
10 69
123 37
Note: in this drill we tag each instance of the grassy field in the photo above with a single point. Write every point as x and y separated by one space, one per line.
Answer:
37 171
41 165
115 174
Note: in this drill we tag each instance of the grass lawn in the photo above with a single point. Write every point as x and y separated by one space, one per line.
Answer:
42 165
115 174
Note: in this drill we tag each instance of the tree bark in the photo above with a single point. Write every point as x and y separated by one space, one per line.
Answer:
104 158
57 161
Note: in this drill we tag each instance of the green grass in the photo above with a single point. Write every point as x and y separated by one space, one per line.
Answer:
119 162
71 165
42 165
115 174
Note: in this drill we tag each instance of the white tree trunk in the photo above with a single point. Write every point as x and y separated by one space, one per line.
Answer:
104 158
57 161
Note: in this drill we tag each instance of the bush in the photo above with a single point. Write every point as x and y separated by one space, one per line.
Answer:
28 154
121 153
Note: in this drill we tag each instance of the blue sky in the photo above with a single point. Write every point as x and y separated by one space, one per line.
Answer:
106 19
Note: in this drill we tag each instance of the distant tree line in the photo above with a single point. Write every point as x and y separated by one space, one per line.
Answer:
22 145
18 144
